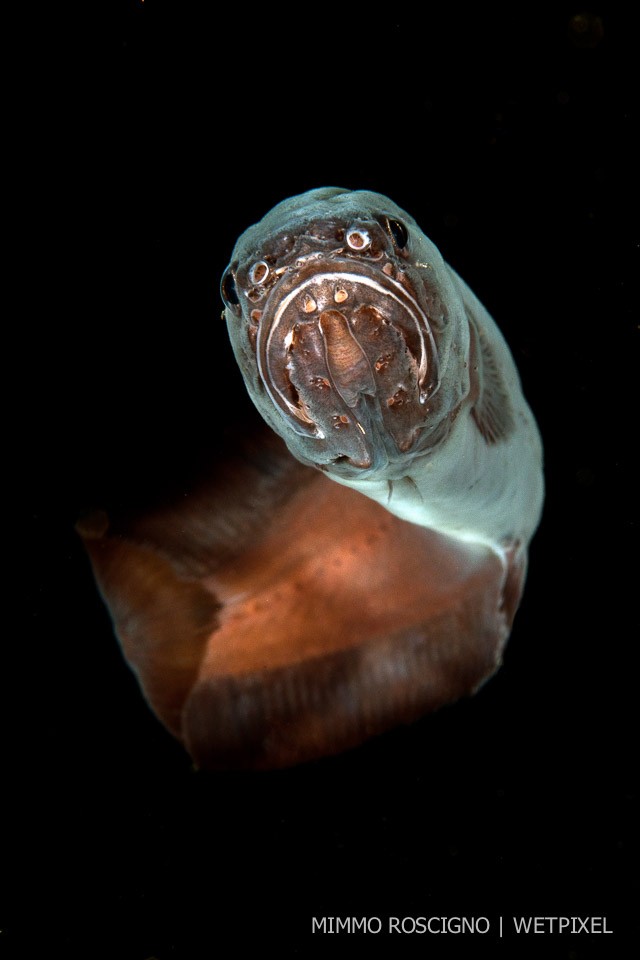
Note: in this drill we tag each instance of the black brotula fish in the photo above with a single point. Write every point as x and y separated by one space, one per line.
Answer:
309 596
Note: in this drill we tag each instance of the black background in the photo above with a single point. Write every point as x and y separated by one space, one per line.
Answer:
152 140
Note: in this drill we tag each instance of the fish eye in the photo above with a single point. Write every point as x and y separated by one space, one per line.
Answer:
228 289
399 233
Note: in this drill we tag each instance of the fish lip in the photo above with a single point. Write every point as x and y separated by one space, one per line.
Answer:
320 261
313 267
318 270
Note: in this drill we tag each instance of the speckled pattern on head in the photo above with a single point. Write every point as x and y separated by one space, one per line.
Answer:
374 361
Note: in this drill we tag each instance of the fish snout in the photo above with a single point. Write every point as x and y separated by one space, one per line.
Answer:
346 355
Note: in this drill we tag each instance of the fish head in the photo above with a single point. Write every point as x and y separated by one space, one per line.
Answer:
348 331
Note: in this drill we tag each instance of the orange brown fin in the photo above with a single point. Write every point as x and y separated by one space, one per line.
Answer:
281 617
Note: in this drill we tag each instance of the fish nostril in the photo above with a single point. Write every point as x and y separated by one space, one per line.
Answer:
358 239
259 272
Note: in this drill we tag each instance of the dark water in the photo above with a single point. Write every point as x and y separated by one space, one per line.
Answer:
159 139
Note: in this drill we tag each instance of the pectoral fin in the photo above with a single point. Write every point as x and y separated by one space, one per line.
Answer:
274 616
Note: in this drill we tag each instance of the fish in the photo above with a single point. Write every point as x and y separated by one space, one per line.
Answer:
358 561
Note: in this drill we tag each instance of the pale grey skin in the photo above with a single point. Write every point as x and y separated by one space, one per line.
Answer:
452 479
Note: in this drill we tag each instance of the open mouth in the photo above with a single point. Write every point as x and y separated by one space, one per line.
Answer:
347 355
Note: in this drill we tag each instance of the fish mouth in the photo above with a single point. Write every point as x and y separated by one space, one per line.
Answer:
345 351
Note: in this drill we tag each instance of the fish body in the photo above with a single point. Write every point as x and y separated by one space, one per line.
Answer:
275 615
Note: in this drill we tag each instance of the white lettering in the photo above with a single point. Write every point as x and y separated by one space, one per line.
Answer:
572 925
459 925
346 925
